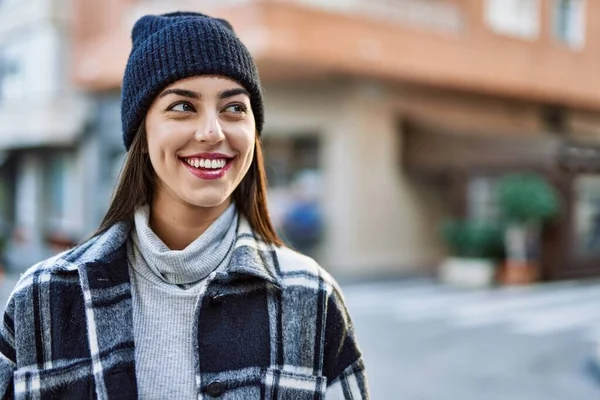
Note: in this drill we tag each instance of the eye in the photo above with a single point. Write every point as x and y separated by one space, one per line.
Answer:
235 109
182 106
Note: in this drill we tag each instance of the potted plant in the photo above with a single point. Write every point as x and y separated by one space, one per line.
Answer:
475 249
526 201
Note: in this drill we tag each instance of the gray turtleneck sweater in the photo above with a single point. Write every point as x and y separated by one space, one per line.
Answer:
166 286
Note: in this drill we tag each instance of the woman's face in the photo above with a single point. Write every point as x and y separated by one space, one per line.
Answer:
200 134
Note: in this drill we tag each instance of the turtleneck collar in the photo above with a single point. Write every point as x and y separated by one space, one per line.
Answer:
155 261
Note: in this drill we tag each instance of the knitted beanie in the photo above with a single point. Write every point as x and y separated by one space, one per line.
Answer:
170 47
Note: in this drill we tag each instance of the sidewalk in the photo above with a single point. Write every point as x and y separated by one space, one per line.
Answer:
425 341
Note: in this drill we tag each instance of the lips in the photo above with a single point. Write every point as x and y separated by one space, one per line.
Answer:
208 166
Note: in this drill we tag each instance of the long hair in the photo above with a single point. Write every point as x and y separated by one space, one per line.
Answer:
137 182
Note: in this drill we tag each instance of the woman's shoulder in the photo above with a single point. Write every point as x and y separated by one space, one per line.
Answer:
304 280
296 268
68 261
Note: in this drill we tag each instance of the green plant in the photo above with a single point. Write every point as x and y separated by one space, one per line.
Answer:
527 198
472 239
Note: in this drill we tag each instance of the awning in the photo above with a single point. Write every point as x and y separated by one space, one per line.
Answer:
435 148
30 123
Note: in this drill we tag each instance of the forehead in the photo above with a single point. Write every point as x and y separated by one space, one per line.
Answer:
205 83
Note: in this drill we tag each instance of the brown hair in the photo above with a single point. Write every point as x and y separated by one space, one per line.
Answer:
137 182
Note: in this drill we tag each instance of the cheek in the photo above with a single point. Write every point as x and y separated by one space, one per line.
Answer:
245 146
165 138
155 150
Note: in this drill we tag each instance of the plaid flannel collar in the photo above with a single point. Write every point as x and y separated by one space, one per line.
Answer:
251 255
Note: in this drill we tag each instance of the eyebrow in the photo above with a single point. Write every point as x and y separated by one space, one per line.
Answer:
181 92
196 96
233 92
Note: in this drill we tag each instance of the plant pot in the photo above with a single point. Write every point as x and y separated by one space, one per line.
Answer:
519 273
468 272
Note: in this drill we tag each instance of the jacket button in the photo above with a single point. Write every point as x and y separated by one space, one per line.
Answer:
215 389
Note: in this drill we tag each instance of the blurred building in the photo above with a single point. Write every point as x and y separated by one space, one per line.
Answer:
407 109
43 159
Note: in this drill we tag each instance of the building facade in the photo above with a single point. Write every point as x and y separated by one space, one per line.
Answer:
43 146
408 110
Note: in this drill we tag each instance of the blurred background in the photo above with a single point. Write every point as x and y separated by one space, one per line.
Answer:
441 158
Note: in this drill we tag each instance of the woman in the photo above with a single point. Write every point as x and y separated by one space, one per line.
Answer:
185 291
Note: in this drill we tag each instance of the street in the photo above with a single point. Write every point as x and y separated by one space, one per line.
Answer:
424 341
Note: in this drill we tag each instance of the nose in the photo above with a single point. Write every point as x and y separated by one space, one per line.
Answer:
209 131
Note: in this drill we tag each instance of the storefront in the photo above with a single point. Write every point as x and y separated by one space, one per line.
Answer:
466 165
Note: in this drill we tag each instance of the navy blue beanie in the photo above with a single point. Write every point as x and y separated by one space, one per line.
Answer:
170 47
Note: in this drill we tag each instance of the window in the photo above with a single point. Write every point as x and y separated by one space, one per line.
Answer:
286 157
568 22
517 18
12 76
587 215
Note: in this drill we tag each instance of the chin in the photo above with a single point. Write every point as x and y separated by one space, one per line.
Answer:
208 200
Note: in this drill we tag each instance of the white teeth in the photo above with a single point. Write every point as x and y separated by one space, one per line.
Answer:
204 163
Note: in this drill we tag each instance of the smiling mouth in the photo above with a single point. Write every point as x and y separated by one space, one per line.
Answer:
207 164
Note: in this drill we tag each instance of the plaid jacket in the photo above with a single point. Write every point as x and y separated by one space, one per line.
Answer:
273 326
